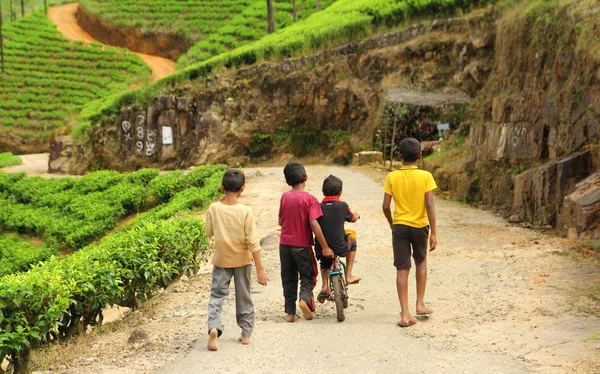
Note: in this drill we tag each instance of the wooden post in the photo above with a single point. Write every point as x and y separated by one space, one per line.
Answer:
385 131
393 137
1 41
270 17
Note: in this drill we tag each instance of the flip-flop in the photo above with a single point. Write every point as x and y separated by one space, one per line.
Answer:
427 312
412 322
322 297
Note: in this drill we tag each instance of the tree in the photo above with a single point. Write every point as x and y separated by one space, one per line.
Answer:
22 8
270 17
1 40
46 6
294 12
13 15
318 5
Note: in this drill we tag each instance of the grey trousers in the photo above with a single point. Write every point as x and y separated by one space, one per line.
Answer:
244 308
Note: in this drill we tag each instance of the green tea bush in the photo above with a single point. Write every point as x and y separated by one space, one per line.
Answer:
59 298
7 180
48 77
343 19
166 185
8 159
17 255
142 176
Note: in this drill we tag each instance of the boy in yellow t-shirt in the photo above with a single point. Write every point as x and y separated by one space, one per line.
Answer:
413 223
232 225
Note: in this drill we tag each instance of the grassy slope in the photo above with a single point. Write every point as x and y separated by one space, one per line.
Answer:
217 25
47 77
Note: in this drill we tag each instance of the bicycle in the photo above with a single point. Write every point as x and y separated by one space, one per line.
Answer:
338 290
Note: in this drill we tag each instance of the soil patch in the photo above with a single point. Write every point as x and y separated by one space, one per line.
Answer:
70 18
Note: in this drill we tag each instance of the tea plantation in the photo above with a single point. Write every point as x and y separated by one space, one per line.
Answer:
57 297
47 77
217 25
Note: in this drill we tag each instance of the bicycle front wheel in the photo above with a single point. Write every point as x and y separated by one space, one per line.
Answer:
337 284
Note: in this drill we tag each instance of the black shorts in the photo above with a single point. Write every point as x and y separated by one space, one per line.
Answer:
326 262
403 238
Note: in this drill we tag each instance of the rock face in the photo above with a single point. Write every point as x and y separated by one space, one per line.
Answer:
539 192
581 208
326 103
539 106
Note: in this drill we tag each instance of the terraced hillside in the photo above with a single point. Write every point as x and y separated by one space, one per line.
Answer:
216 25
47 78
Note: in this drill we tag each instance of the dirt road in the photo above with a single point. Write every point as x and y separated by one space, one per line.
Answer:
34 164
506 300
64 18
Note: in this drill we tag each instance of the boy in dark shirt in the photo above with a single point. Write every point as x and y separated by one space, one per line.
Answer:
298 214
335 214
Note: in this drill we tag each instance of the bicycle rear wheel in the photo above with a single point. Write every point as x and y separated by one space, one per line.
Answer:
337 285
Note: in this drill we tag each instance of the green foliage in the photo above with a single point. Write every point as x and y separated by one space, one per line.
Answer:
165 186
343 19
48 77
17 255
8 159
58 298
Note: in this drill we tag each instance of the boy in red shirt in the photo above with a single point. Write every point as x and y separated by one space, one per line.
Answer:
298 214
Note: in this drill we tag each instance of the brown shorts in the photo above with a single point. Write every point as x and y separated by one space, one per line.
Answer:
403 238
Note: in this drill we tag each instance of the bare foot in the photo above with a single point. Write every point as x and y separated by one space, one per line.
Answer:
245 340
290 317
212 340
306 312
352 279
423 310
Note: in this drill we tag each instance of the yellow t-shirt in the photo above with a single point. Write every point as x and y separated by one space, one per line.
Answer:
407 187
235 233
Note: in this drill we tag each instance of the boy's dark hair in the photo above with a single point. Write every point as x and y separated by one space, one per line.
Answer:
332 186
233 180
410 149
294 173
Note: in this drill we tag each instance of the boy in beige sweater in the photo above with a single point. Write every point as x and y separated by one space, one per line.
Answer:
232 225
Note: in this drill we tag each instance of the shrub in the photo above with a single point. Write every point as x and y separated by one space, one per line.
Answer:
8 159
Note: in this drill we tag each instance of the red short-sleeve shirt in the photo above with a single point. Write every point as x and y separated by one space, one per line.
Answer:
296 210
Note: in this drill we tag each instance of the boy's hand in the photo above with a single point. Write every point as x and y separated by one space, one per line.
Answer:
262 277
432 242
327 252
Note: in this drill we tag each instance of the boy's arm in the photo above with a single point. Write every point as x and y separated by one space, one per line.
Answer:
253 243
387 210
208 225
260 270
431 214
316 228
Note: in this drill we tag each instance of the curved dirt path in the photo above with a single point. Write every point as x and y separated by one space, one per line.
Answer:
33 164
64 18
505 300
